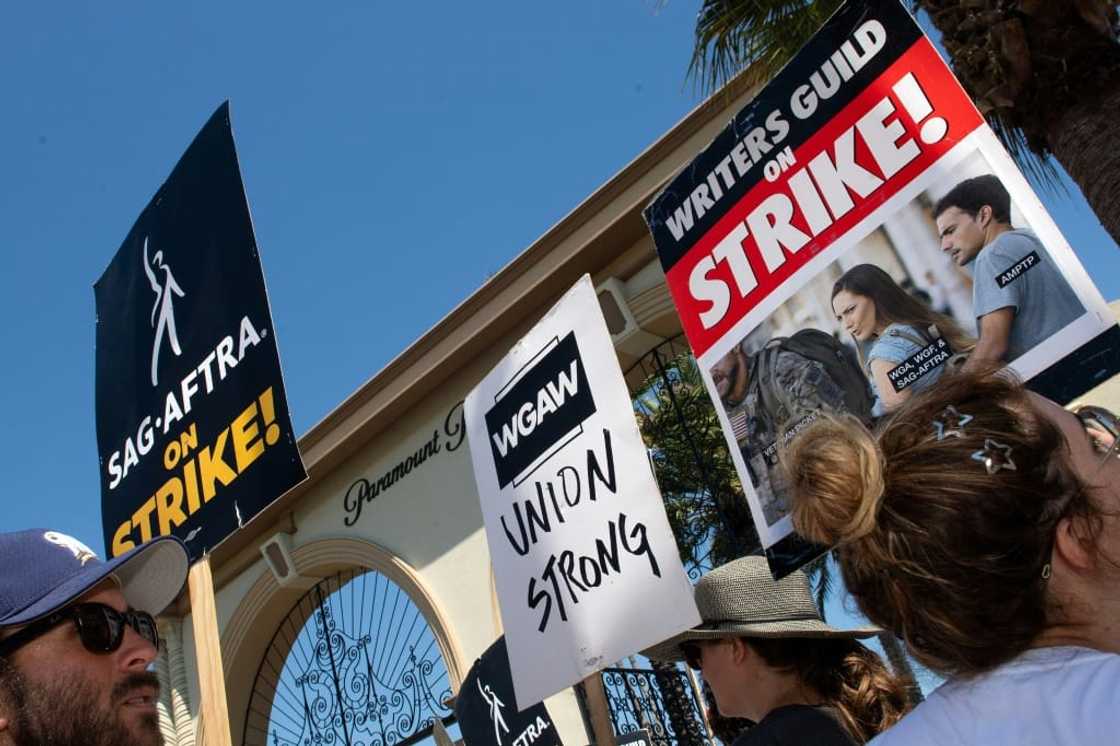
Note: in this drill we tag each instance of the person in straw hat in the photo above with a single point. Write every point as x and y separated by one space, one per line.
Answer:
769 657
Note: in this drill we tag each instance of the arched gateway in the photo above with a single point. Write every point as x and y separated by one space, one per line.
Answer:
361 657
354 662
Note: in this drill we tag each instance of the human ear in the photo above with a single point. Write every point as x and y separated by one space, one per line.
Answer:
1072 545
4 732
984 216
740 650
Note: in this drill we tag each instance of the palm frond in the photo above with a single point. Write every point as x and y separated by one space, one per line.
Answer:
1039 169
734 34
763 35
820 575
703 498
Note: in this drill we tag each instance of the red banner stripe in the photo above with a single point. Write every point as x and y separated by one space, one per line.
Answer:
948 101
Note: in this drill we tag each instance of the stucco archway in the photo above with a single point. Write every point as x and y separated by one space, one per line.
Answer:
247 635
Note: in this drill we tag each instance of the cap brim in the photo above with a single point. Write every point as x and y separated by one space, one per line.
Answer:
150 576
669 650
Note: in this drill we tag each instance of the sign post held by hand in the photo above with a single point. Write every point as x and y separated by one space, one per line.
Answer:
576 527
208 656
193 429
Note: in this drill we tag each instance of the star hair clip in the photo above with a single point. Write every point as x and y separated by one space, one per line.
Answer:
994 456
950 423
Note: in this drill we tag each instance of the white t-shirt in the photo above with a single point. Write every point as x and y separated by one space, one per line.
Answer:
1047 696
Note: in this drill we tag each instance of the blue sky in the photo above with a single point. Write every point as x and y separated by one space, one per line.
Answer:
394 154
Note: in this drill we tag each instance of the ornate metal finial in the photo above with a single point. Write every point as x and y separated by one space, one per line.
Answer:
994 456
950 423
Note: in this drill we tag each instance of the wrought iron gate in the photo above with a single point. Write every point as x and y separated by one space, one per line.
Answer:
662 701
354 663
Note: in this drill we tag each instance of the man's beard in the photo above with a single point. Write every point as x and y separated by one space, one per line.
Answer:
61 713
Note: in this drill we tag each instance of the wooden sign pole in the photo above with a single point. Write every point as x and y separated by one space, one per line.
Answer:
599 710
208 655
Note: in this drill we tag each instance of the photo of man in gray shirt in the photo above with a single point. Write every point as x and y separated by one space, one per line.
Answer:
1019 296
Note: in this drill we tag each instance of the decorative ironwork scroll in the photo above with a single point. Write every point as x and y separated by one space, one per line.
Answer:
353 664
636 699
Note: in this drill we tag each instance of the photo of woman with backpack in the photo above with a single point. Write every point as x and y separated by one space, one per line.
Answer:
893 332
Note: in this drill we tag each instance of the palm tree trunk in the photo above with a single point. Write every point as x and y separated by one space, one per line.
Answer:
900 663
1084 140
1057 68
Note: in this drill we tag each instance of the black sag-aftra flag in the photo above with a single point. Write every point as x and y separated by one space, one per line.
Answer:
193 432
487 712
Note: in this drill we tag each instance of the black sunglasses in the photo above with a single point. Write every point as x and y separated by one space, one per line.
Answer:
100 628
1103 429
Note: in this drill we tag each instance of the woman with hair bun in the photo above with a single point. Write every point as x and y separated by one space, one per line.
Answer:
889 326
979 524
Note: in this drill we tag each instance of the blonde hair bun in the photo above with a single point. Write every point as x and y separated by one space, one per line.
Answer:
835 470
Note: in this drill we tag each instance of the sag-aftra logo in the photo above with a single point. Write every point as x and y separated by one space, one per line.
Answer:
163 311
539 411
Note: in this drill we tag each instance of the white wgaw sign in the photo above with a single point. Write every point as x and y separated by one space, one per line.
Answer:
586 567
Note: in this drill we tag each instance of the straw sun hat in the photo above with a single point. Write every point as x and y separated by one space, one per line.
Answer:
740 599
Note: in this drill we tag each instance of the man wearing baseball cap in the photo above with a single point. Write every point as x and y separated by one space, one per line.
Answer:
77 638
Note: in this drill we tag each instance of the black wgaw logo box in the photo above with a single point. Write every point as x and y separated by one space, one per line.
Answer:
540 411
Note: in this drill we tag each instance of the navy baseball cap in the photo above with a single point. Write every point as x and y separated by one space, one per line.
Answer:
42 571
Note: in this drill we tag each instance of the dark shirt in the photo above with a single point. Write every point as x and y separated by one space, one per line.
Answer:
797 725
